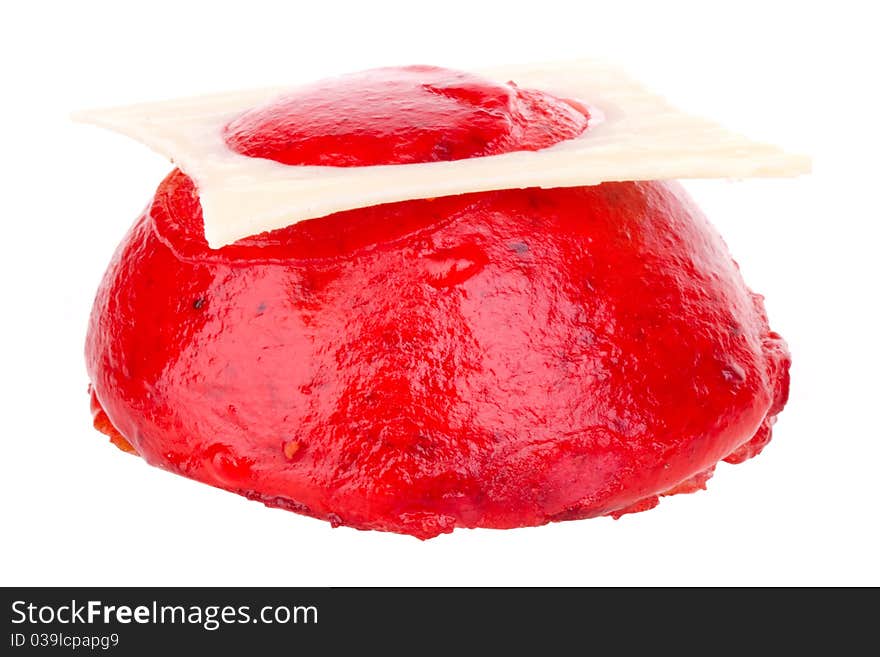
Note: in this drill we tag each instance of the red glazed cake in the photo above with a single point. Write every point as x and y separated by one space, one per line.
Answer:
494 359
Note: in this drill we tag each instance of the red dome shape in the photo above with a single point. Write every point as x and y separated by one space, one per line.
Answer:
499 359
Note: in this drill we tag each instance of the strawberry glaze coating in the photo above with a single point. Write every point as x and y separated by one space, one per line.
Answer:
499 359
403 116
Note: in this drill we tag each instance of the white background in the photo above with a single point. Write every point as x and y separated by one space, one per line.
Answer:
75 510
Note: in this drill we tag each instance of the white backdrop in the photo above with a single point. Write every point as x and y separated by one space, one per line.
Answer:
78 511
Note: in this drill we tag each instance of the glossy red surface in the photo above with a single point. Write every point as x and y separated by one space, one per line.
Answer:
402 116
499 359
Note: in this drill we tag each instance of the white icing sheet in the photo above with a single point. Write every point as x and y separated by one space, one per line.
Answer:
639 137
